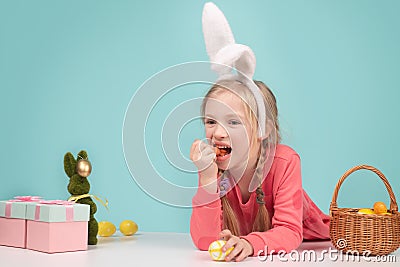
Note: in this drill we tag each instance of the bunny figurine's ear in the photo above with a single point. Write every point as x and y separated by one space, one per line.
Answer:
69 164
216 30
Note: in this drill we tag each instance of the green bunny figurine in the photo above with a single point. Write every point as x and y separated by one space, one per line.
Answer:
77 171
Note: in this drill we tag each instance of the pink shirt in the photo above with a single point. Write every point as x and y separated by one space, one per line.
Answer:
294 216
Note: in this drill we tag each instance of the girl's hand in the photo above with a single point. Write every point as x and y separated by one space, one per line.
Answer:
242 248
203 156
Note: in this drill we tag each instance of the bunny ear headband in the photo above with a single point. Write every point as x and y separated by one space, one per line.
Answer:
227 56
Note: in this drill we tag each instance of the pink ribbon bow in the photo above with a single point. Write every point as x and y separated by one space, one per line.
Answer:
26 199
19 199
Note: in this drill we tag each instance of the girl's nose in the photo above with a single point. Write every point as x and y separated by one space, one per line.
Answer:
220 132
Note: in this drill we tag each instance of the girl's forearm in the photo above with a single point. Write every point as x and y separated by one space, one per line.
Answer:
206 219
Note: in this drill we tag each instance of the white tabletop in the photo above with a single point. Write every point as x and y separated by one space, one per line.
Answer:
174 249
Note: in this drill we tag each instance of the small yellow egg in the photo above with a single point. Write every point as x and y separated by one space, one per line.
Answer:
106 229
128 227
365 211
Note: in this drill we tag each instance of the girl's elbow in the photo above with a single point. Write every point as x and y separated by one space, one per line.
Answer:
297 236
297 239
202 243
201 246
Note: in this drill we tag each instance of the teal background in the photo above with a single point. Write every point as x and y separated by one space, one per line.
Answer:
68 70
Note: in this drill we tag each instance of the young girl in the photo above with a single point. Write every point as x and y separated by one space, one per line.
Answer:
278 215
250 190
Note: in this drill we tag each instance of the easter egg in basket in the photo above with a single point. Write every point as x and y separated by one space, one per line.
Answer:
365 211
380 208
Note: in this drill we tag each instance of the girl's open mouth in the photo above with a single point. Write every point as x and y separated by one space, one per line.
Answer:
222 152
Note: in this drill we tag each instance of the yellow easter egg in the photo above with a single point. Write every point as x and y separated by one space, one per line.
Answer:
365 211
215 250
106 229
128 227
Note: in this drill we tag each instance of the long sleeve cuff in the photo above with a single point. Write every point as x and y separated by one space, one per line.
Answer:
256 242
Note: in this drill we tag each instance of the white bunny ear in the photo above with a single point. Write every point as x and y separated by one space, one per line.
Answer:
225 55
221 47
216 30
238 56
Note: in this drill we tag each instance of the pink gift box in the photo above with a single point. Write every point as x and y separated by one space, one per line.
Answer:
12 232
57 226
13 221
56 237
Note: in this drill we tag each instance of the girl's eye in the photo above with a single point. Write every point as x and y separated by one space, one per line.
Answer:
234 122
210 121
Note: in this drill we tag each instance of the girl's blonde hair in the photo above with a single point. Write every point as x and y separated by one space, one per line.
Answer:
262 221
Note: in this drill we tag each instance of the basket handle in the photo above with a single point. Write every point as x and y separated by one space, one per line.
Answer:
393 203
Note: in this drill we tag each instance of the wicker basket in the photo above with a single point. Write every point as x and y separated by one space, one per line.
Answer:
365 234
